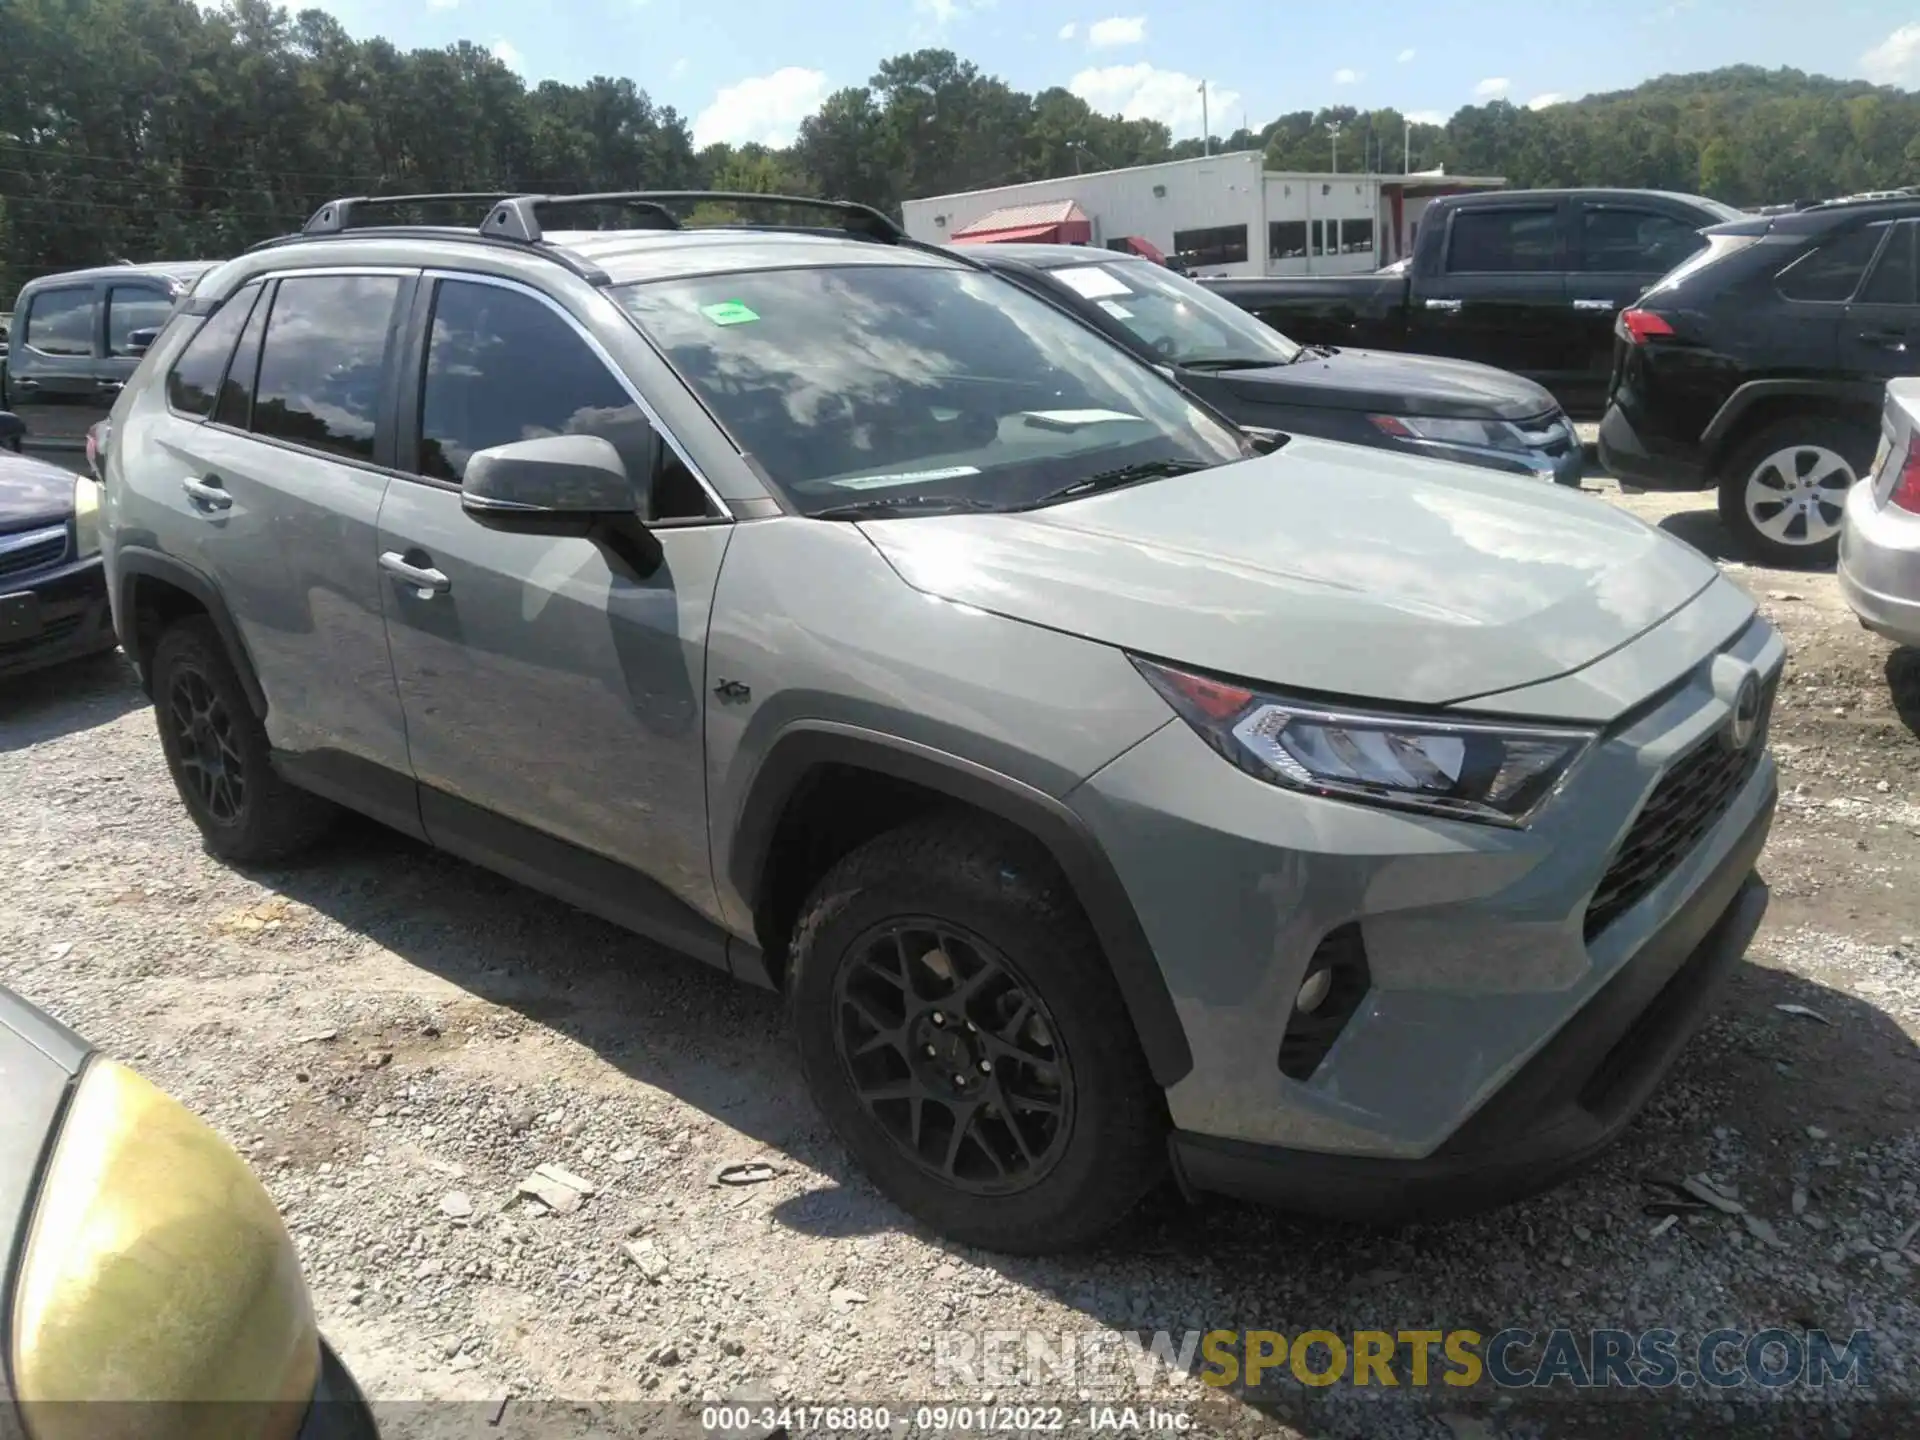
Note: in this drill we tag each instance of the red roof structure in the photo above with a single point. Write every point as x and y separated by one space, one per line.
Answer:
1057 222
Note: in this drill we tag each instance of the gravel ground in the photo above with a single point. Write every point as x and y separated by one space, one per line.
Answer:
396 1040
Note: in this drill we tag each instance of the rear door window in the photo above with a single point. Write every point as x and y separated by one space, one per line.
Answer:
196 374
131 308
61 322
235 405
1504 241
1834 271
1615 239
322 362
1893 279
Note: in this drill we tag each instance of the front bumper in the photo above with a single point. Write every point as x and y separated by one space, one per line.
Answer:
1559 1111
1627 457
1557 456
338 1410
1880 565
54 615
1470 947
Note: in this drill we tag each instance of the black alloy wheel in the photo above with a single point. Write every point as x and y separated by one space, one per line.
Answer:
208 750
951 1054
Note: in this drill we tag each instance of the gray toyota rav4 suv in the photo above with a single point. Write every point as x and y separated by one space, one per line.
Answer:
1107 792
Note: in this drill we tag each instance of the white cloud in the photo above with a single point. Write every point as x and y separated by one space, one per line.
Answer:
1896 59
1346 76
945 12
1141 92
1427 117
507 55
1407 54
1492 89
1118 30
1069 30
766 109
1541 102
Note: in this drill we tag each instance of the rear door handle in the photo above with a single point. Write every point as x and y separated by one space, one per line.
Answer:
421 577
1606 305
25 383
1894 340
208 492
111 387
1441 304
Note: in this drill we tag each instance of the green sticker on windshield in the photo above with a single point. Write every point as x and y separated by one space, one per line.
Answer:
728 312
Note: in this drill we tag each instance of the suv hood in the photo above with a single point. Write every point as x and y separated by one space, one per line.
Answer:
1333 568
33 493
1386 384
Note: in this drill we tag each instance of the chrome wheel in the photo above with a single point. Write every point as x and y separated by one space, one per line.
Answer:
1796 496
953 1056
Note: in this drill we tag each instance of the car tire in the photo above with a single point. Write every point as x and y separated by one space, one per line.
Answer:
1066 1131
218 754
1810 461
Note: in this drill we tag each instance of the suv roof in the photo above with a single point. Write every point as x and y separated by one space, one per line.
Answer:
181 273
660 244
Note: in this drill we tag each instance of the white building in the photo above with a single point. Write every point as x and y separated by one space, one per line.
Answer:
1221 214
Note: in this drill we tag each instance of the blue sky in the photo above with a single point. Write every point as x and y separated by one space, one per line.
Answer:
752 69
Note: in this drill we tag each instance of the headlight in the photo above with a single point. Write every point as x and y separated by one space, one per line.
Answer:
86 515
1463 769
1479 434
156 1270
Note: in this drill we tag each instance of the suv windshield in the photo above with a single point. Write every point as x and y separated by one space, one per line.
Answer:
1185 323
918 383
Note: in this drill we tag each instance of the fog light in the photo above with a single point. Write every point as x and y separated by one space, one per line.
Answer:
1337 980
1318 986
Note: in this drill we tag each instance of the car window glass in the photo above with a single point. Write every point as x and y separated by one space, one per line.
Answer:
1832 272
61 322
235 405
853 383
321 361
196 374
1892 281
1613 239
502 366
1495 241
131 308
1179 320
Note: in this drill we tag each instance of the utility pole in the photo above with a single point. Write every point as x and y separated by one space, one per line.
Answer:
1406 158
1206 126
1333 129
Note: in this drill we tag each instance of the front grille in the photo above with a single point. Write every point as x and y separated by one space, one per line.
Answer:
1687 803
34 550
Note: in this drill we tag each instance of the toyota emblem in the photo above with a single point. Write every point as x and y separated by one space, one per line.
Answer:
1746 713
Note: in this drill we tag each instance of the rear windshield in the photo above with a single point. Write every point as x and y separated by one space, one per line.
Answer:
846 384
1185 323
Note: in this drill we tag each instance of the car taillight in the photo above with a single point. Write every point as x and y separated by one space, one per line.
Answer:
1906 490
1640 326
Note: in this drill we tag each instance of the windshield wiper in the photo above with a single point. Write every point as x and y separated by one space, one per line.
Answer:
1114 479
1313 352
901 504
1231 362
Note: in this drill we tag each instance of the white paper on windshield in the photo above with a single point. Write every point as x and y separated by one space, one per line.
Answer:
904 477
1067 419
1092 281
1116 309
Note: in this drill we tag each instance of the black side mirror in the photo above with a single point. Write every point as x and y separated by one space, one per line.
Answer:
141 341
12 431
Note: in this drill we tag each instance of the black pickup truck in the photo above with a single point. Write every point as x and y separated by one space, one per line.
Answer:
1527 280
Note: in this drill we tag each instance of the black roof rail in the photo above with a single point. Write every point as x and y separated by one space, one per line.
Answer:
337 215
519 217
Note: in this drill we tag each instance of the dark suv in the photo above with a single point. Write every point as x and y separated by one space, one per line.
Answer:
1757 368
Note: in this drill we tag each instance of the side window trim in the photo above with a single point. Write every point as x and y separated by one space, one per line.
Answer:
263 307
414 357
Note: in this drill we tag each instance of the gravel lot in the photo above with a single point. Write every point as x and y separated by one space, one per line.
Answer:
396 1040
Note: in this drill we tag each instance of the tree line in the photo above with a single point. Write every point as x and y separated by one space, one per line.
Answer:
145 129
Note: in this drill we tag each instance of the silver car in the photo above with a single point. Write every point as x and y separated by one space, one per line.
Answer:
1103 790
1880 526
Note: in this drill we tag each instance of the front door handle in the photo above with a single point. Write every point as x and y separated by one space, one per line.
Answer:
21 382
208 492
421 577
110 387
1442 304
1894 340
1606 305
